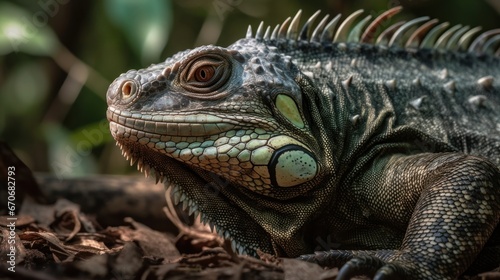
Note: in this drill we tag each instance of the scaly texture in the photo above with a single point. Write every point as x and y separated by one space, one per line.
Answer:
381 152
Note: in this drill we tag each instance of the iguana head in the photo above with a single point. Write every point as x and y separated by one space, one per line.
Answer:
227 127
234 112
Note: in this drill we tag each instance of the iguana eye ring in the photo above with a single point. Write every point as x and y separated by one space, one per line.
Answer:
205 74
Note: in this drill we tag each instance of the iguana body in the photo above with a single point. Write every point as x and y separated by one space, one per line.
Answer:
292 142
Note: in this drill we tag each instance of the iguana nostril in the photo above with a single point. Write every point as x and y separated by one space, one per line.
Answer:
128 89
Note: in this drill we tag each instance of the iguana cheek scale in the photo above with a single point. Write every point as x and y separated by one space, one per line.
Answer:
384 143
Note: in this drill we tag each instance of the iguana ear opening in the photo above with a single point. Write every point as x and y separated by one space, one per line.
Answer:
288 108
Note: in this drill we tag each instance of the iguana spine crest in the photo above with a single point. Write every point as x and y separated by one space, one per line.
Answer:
425 35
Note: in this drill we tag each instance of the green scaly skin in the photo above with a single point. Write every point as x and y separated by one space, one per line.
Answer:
383 158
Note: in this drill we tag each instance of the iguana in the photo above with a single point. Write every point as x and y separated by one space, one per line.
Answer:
381 152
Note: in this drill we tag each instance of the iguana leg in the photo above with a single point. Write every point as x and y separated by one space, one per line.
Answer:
457 210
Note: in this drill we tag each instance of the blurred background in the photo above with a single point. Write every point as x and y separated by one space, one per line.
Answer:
57 58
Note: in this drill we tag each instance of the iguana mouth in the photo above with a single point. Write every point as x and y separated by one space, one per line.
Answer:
187 125
250 157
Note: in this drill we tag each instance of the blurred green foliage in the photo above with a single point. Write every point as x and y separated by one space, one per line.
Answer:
57 58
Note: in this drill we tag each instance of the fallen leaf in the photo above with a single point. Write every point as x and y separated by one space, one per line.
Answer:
21 220
153 243
11 248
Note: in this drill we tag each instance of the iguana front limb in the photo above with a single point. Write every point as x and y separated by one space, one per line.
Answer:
454 215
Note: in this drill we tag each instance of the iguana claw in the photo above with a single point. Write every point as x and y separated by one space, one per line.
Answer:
364 265
388 272
370 266
373 264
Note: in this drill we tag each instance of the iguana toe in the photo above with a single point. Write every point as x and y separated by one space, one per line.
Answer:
362 265
373 267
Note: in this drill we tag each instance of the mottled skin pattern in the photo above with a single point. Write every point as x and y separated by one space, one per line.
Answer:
385 159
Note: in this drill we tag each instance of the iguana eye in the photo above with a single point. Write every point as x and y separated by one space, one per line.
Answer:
205 74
